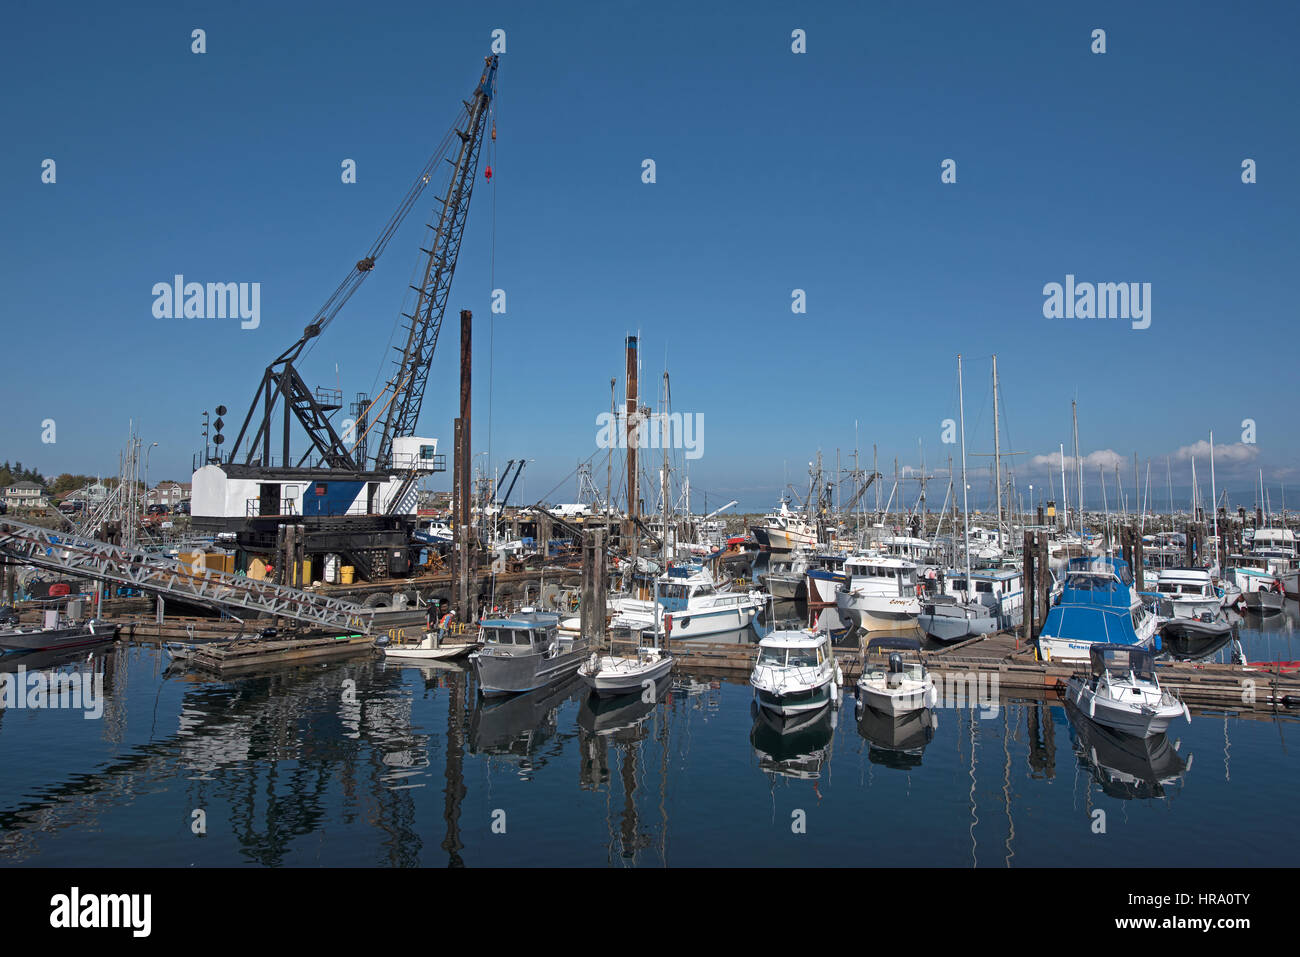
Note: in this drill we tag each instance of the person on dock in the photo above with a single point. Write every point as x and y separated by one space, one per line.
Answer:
443 627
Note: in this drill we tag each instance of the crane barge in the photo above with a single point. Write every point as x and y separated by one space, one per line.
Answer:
289 463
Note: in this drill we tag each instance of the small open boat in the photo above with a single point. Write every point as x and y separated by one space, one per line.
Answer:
432 648
633 663
900 687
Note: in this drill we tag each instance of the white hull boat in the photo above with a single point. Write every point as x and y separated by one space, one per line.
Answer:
896 687
796 672
1123 692
612 675
431 648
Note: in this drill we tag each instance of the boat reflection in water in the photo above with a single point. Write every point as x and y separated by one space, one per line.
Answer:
609 716
517 726
794 747
1124 765
897 741
1190 647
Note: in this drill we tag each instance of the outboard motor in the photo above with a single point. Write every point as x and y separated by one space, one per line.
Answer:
895 670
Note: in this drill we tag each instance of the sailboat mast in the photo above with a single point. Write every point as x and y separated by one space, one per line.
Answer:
965 505
1214 502
1065 496
997 449
1078 464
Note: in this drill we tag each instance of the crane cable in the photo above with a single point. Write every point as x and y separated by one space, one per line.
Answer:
492 258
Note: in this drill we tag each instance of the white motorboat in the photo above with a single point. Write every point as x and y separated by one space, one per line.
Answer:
1187 593
895 686
632 665
689 604
1123 693
796 672
879 594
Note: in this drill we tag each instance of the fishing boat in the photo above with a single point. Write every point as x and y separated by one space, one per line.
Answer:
1187 593
525 652
1107 582
1072 629
895 687
1277 547
635 660
879 594
1261 591
825 576
1123 693
784 531
796 672
965 607
789 581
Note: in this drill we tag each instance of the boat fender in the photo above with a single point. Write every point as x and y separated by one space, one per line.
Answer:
1186 713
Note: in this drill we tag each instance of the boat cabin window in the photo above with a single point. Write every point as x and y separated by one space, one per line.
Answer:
704 590
984 586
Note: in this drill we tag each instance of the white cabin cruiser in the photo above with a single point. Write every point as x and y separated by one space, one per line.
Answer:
895 687
1187 593
879 594
690 605
796 672
1123 693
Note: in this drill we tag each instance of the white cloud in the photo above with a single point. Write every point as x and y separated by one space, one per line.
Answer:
1106 459
1236 452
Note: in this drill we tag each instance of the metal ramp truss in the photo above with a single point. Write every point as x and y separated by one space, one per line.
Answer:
32 544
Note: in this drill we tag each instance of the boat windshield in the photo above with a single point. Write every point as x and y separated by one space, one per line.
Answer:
1120 660
779 657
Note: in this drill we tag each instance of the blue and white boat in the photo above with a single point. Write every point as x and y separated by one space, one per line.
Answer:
1097 605
825 577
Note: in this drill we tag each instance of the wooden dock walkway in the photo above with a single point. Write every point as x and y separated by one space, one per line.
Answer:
1220 687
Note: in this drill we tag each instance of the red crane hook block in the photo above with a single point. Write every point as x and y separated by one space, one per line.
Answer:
487 173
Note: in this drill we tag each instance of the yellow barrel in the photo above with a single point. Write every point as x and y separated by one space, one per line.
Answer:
345 574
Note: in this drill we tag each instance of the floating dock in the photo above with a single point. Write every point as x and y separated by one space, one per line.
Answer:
1266 687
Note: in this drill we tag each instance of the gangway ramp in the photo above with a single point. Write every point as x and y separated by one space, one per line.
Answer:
76 554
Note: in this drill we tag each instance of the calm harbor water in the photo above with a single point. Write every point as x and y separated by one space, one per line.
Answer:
370 763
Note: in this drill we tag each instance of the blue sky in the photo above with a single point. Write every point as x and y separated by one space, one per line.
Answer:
775 171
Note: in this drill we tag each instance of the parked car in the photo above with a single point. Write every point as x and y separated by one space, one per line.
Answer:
157 510
183 507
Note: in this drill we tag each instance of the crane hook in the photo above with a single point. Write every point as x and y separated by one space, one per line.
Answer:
487 173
